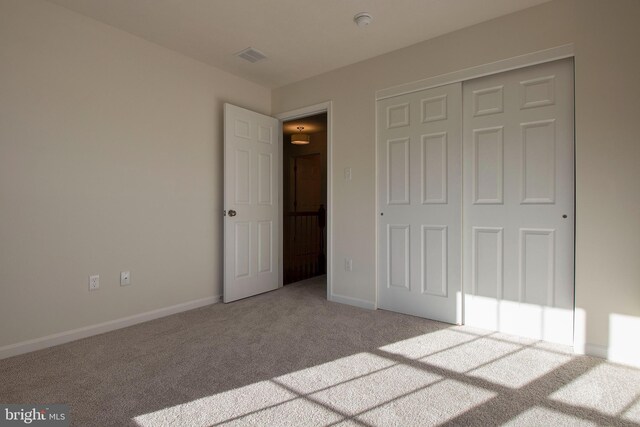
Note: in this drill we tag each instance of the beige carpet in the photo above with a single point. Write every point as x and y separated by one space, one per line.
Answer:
290 357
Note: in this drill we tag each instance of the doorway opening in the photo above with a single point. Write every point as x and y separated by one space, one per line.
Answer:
304 194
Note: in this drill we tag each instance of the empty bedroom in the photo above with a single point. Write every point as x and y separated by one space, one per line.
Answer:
319 213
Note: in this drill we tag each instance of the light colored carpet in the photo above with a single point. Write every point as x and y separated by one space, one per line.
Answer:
290 357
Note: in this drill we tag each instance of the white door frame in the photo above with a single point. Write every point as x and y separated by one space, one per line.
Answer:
522 61
324 107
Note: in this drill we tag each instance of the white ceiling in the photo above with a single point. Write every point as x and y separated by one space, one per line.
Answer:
301 38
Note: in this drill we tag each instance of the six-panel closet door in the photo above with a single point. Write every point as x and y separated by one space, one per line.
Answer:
518 204
476 196
419 203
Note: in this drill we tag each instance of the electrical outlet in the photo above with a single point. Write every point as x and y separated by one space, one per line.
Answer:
125 278
348 264
94 282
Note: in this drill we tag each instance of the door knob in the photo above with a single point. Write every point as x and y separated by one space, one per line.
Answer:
232 213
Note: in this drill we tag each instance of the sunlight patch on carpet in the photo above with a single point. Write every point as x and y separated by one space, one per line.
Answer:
375 389
507 371
606 388
431 405
538 416
335 372
632 413
427 344
471 355
220 407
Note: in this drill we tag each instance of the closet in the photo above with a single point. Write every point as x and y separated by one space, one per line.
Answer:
476 202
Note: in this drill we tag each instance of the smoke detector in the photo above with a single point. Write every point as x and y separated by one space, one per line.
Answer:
362 19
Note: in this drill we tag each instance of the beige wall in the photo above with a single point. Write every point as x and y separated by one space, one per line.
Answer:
607 41
110 160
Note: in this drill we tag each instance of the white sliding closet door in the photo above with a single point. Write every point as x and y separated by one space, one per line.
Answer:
519 202
419 203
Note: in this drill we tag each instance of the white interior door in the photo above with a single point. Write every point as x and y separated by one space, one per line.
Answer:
419 203
519 202
251 194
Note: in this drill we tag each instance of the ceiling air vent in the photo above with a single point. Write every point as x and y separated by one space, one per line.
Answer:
250 54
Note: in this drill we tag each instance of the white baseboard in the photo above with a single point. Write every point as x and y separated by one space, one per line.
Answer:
596 351
352 301
100 328
622 356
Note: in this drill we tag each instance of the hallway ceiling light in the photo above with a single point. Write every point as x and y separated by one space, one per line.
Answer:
300 138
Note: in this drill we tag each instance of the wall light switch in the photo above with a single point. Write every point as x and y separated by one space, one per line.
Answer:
348 264
347 174
125 278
